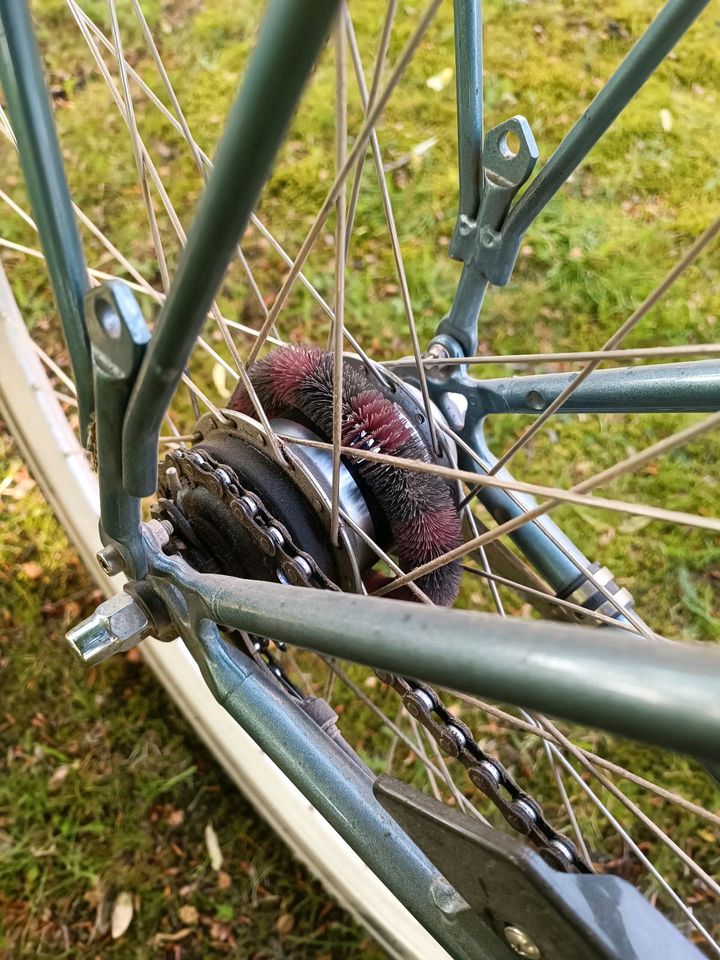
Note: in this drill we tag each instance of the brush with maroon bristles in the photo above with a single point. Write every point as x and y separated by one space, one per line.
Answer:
419 507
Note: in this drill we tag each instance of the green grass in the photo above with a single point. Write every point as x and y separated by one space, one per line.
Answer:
637 202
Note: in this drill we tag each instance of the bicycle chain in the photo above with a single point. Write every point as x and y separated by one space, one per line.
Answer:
519 810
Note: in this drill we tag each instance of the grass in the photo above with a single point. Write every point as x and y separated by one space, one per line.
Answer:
110 820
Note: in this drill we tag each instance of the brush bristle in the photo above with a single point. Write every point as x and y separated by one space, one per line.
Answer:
419 506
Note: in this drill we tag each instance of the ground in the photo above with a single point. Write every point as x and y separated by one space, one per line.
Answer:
104 791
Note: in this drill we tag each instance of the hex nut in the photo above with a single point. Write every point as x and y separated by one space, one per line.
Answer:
117 625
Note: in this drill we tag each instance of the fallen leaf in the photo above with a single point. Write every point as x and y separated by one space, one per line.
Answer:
31 570
224 880
122 914
440 80
188 913
284 924
58 776
213 847
666 120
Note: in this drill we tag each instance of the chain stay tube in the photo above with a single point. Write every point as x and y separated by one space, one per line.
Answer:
668 697
339 787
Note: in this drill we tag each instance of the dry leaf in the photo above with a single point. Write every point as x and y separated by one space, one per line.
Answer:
31 570
122 914
213 847
284 924
58 776
440 80
188 913
666 120
224 880
219 379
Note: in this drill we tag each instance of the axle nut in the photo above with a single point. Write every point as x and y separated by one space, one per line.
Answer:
117 625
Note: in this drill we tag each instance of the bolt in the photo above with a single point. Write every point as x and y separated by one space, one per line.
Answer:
117 625
521 943
438 351
110 560
446 897
535 400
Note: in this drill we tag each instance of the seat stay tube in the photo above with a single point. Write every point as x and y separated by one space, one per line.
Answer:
21 75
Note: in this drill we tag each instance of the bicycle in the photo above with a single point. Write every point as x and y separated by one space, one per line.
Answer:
293 480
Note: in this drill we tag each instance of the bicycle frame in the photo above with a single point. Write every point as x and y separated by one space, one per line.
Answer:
125 384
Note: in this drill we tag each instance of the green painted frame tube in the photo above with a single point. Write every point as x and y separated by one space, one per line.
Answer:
469 92
288 45
675 18
663 693
22 80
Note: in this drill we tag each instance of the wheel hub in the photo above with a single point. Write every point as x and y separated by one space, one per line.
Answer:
291 493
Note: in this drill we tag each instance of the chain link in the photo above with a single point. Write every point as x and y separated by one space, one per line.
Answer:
519 810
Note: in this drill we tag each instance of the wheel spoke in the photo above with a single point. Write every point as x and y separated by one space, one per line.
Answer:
577 494
648 303
367 102
359 147
625 466
336 333
531 359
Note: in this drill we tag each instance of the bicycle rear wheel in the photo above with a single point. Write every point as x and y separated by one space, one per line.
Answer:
212 373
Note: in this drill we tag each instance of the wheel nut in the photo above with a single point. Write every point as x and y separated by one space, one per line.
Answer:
117 625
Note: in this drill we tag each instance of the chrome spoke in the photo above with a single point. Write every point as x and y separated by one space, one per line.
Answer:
543 734
631 463
578 494
648 303
532 359
557 542
641 856
336 333
359 147
367 103
567 745
549 598
367 100
58 371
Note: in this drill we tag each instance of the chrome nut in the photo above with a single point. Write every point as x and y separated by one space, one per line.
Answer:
117 625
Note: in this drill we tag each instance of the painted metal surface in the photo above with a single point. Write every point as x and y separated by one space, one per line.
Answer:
659 693
692 387
469 92
31 117
282 59
499 251
508 157
551 915
119 337
338 787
